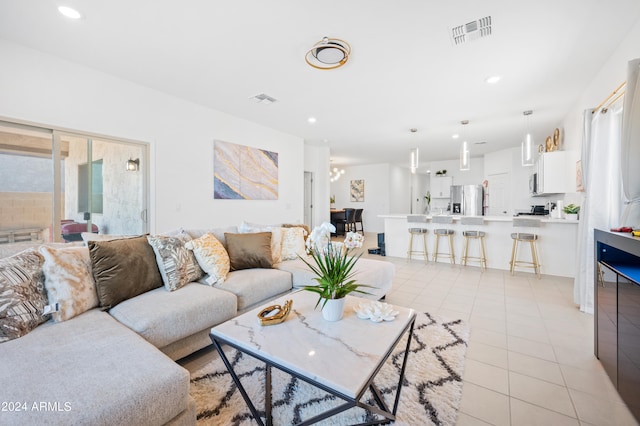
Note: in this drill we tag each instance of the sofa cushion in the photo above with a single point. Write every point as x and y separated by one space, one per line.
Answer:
68 280
247 251
256 285
91 370
123 269
177 265
211 256
293 243
164 317
22 295
375 273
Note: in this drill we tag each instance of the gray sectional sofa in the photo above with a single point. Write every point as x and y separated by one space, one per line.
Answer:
117 367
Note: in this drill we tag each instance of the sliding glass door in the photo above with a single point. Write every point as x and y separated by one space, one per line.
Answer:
55 185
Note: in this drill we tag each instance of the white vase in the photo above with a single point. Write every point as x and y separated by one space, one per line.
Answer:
333 309
571 216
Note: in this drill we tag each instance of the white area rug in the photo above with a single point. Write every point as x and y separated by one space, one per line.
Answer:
430 395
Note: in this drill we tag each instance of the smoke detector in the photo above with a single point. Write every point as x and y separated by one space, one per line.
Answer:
470 31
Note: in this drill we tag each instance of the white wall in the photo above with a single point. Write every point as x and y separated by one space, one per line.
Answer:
400 189
613 72
474 176
43 89
378 186
316 161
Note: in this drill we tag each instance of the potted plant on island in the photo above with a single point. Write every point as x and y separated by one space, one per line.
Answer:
333 268
571 211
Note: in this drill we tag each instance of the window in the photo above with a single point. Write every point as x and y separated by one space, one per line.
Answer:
96 187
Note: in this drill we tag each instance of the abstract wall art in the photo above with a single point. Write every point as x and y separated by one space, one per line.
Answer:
357 190
242 172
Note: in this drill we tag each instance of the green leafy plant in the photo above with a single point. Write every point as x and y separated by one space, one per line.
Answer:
571 209
332 264
428 198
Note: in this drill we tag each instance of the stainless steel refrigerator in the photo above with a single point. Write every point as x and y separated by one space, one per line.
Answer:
467 200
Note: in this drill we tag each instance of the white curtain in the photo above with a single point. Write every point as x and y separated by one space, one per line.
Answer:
631 147
601 206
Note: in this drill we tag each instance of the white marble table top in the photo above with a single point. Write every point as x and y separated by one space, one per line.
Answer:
342 355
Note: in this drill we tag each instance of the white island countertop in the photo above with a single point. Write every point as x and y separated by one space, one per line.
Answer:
557 240
456 217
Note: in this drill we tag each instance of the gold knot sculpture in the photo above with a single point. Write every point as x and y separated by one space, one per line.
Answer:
267 318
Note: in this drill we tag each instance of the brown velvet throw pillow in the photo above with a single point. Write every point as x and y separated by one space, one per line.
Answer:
123 269
248 251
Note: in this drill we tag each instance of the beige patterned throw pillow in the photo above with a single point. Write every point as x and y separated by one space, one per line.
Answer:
292 243
177 265
211 256
68 281
22 294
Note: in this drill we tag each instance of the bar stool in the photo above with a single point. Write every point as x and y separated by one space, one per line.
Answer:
413 220
443 232
475 235
525 237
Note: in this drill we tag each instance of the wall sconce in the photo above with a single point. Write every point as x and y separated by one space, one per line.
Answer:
527 143
133 165
465 162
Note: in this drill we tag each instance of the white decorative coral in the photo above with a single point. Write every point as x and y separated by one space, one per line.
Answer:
375 311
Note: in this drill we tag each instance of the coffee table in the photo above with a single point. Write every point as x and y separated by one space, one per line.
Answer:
341 358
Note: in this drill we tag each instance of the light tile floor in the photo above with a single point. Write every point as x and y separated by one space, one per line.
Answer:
530 356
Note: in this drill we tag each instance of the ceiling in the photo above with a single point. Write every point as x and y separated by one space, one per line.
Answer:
404 71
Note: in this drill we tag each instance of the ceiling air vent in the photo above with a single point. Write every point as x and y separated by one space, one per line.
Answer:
470 31
263 99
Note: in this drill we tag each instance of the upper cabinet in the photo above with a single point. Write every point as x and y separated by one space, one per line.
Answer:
551 169
441 186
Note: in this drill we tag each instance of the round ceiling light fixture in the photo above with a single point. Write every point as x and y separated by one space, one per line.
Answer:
328 54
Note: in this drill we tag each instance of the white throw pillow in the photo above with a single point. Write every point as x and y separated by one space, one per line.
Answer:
211 256
68 281
292 243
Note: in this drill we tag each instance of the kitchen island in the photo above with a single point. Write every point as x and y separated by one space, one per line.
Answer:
558 240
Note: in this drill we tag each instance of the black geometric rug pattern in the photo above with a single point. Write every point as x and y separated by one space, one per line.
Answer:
431 391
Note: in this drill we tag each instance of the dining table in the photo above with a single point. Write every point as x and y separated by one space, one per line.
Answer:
337 215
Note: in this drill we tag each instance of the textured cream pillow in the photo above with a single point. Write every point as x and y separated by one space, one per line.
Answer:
68 281
211 256
292 243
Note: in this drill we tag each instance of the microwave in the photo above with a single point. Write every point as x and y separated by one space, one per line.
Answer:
533 184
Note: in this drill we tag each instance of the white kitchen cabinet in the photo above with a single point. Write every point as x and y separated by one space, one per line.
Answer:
441 186
552 168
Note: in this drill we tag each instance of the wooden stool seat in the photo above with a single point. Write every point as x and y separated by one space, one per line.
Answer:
525 237
443 232
413 230
473 235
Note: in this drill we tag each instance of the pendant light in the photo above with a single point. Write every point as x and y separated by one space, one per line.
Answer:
415 160
415 155
526 146
465 163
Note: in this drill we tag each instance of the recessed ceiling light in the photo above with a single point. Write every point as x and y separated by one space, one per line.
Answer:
455 136
493 79
311 120
69 12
